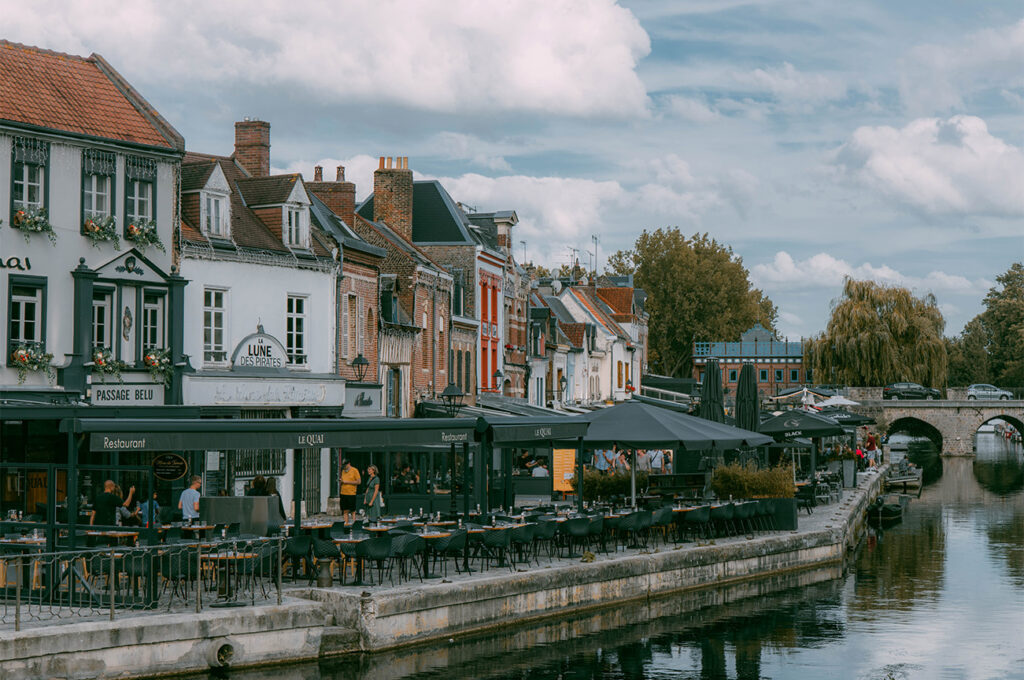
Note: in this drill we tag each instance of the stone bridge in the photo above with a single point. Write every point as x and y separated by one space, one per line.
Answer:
951 424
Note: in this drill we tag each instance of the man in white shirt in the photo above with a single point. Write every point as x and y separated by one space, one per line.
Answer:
541 469
188 503
657 460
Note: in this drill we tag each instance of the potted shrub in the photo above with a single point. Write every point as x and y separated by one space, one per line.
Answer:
737 481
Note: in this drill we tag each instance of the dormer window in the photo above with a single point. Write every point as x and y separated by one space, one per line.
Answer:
214 217
296 226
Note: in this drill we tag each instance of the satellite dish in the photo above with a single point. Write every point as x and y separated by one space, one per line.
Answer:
556 286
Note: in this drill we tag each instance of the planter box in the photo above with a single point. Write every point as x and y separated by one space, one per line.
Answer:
835 466
849 473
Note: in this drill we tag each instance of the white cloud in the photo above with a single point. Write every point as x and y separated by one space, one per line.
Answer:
358 169
572 57
952 166
692 109
459 146
787 84
825 271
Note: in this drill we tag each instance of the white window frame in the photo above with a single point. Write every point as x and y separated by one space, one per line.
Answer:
295 330
134 199
215 354
27 182
153 321
103 319
95 188
19 320
213 216
295 226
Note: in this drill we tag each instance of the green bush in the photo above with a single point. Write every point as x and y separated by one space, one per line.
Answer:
600 486
749 481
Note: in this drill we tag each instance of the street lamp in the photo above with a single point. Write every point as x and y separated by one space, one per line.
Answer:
452 398
360 364
498 375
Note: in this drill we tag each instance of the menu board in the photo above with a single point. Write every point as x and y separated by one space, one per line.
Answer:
563 469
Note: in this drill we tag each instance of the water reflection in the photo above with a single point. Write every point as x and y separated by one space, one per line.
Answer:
998 463
938 596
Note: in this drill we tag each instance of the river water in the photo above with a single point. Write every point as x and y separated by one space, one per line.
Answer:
939 596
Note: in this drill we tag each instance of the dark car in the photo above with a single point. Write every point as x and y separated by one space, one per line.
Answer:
909 390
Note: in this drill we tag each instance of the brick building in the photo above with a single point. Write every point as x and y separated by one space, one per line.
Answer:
416 293
778 364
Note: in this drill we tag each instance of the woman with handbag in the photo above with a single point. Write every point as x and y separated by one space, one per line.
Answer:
373 499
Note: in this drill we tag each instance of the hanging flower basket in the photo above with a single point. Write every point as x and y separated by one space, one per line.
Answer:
33 221
31 357
104 363
101 230
143 234
158 363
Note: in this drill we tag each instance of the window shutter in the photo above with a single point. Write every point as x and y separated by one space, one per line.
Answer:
344 327
360 326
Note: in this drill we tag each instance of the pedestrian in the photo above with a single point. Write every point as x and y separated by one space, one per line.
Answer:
188 502
621 464
601 461
350 480
372 498
149 510
643 461
657 460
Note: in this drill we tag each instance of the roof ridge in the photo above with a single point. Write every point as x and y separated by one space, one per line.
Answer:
42 50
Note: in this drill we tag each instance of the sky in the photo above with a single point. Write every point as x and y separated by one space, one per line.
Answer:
818 139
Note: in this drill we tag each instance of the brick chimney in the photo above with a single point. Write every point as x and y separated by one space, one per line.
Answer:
252 146
339 195
392 195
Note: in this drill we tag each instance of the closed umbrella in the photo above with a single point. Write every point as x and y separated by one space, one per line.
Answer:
711 398
748 410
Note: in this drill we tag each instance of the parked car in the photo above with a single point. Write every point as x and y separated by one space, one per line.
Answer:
909 390
982 391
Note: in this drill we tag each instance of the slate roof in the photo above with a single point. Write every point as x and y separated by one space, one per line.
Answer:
323 217
271 190
558 308
436 218
400 244
82 95
247 230
485 229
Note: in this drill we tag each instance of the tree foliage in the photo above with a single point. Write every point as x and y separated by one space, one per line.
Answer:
698 290
968 355
1003 323
878 335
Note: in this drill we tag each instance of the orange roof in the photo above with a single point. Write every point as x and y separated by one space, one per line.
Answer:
619 299
573 331
81 95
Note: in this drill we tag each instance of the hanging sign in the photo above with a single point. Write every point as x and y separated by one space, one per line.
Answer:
169 467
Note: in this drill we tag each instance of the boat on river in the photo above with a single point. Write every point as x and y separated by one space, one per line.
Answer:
906 474
887 509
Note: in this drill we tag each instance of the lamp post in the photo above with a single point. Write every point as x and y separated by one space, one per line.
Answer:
452 397
360 364
498 375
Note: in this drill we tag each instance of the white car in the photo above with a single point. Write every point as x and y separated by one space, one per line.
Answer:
982 391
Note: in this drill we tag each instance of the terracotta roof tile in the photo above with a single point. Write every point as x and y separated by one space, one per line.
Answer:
75 94
619 299
272 190
574 332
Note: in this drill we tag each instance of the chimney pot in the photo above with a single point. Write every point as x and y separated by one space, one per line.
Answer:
382 162
318 174
389 159
341 174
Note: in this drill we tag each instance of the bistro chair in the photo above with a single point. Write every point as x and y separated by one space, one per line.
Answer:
453 546
497 545
377 550
722 517
697 522
299 549
180 570
522 542
575 531
596 534
405 548
324 551
544 535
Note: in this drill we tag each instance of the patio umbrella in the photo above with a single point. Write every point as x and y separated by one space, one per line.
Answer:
837 400
711 397
797 423
847 418
748 411
636 425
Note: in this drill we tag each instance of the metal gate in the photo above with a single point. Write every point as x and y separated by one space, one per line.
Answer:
311 480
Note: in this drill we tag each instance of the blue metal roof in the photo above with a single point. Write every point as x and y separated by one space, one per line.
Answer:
739 350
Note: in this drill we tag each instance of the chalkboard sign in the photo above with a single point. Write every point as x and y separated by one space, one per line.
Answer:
169 467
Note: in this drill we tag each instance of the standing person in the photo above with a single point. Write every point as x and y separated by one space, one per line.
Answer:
350 480
188 502
541 468
258 486
621 464
127 512
105 505
643 461
657 460
147 506
372 497
871 450
271 490
601 461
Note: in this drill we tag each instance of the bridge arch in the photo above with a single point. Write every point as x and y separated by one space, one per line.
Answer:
1017 423
916 427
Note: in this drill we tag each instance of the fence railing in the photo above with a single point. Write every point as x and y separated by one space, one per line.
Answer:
115 581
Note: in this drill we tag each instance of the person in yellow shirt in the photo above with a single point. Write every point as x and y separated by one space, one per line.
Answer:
349 484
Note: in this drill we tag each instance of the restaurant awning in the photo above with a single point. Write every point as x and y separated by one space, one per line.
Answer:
146 434
535 431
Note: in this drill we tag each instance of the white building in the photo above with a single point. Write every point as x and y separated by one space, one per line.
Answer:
261 321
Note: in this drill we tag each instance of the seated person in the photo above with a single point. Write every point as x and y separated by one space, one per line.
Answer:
541 469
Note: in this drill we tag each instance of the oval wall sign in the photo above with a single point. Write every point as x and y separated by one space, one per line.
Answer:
169 467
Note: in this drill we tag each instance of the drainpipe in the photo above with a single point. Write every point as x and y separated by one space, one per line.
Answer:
433 343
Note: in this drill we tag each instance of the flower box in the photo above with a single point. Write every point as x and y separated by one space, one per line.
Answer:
102 229
33 221
31 357
142 233
158 363
104 363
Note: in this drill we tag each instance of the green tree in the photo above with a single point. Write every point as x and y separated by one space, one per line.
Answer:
698 290
1003 320
877 335
968 355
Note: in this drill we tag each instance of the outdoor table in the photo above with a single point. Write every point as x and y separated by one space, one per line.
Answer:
446 523
225 561
128 536
25 544
319 529
199 529
429 538
377 530
353 540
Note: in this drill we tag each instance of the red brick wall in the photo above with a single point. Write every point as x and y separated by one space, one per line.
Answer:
361 280
392 198
252 146
340 197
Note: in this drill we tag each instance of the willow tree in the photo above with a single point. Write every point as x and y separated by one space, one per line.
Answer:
877 335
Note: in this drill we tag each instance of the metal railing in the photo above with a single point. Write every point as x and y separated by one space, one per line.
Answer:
112 581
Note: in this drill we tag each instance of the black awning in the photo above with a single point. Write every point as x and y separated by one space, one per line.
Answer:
297 433
533 431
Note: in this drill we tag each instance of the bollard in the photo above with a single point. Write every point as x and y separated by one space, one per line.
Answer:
17 595
110 582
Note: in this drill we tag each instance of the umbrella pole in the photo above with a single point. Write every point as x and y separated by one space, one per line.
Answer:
632 477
